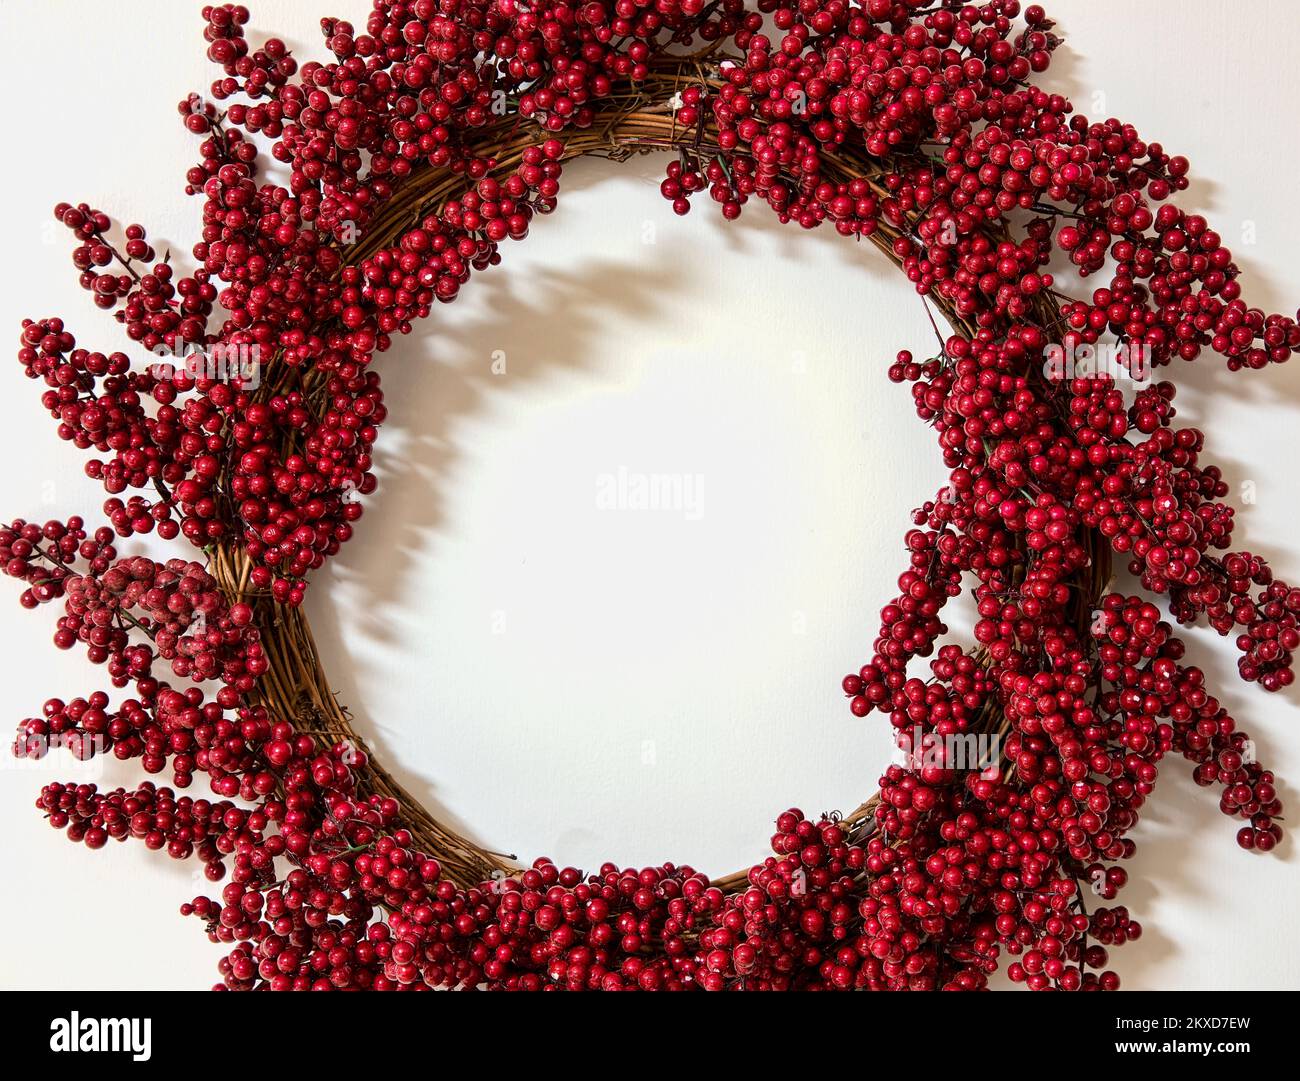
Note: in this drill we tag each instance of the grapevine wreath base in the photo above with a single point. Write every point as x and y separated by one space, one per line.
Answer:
432 138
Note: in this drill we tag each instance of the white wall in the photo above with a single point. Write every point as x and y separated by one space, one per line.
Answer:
563 677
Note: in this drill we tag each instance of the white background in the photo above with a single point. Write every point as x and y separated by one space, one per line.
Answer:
558 676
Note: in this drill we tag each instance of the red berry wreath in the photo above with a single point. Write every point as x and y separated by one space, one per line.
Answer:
431 138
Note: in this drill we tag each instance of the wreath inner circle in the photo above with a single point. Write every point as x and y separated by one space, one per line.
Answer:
488 361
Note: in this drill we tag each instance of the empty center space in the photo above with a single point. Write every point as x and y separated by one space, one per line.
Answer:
643 489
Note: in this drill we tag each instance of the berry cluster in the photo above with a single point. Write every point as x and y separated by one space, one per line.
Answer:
920 125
